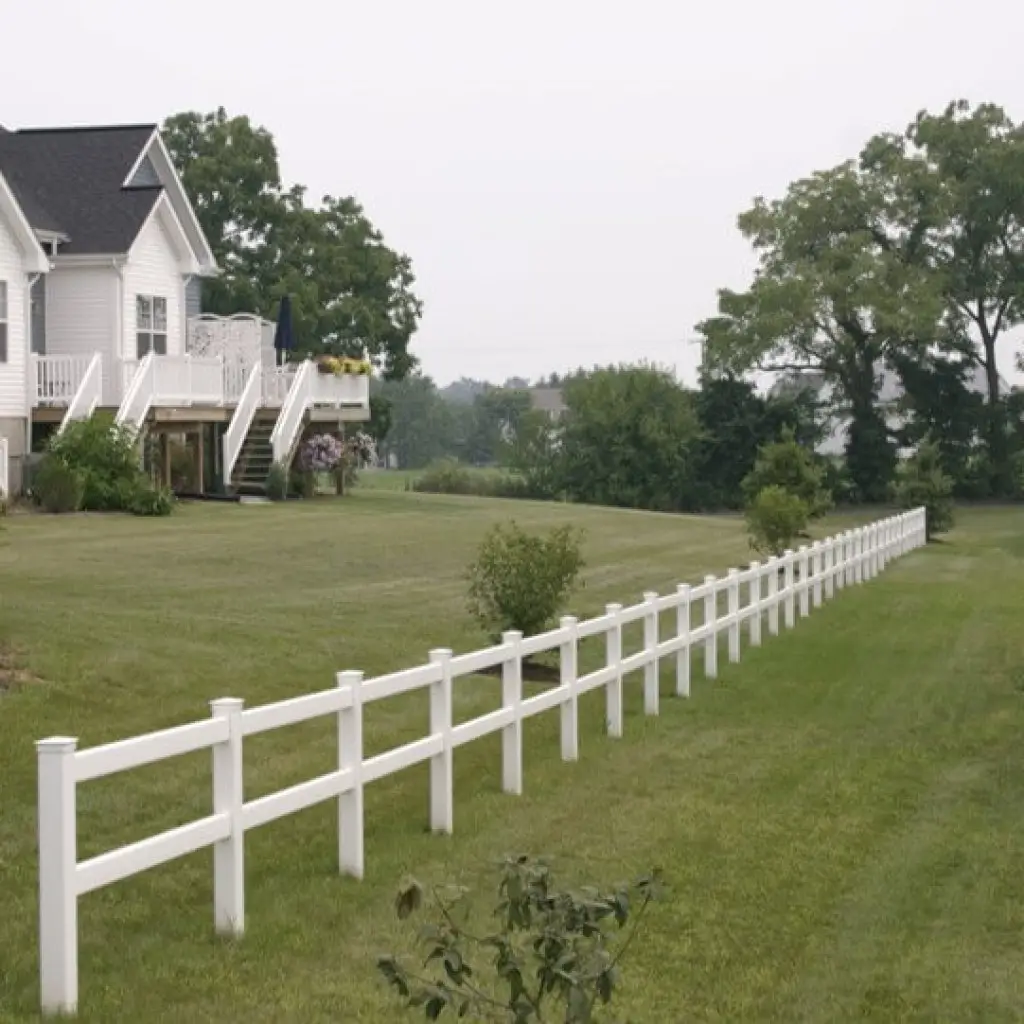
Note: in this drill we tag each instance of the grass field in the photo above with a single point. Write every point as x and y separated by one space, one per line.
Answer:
839 816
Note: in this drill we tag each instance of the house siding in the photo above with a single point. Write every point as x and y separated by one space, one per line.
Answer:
37 315
193 297
153 269
13 380
81 318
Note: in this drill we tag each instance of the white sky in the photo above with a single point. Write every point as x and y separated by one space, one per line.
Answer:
565 175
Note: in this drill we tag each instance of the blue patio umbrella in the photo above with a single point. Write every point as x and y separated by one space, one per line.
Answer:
284 332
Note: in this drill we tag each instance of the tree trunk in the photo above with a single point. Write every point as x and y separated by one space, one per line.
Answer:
996 440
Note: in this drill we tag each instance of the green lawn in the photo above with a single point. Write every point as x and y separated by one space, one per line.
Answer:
840 817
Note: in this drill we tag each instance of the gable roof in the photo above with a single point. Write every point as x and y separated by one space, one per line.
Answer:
70 181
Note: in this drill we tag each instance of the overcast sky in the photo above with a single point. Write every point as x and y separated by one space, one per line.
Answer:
564 174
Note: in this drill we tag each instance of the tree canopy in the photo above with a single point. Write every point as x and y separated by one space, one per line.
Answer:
350 292
911 258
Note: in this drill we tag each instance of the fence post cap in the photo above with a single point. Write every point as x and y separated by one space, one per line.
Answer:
613 609
755 565
709 579
350 677
441 654
682 588
650 595
567 621
225 705
733 572
511 636
57 745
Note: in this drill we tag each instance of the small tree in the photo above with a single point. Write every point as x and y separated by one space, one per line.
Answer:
921 481
521 580
788 464
775 518
551 956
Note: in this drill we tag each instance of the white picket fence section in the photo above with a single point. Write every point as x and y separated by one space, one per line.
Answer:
808 577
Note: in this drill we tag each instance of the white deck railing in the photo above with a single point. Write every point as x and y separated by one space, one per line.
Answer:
293 412
809 576
234 437
277 382
57 378
171 381
88 395
338 391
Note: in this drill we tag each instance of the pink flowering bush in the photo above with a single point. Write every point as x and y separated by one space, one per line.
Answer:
321 453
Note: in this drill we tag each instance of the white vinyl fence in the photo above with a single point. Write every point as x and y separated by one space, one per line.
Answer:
808 577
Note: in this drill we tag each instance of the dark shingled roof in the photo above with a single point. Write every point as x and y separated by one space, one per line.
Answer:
69 180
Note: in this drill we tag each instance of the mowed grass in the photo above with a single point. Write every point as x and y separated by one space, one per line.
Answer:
839 816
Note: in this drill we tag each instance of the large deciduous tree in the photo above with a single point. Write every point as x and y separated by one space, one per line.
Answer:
957 184
829 296
350 292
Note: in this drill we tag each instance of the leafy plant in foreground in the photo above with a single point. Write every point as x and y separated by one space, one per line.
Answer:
775 518
521 580
552 955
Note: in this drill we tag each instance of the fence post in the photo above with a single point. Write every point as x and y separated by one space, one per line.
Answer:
229 854
817 568
58 858
805 581
569 709
754 594
512 734
858 565
773 596
441 781
652 670
733 598
683 633
788 583
350 756
830 568
711 626
901 523
613 656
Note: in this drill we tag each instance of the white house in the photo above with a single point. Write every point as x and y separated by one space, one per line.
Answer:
101 264
890 393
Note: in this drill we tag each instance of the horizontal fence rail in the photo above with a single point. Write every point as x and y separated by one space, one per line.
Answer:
777 591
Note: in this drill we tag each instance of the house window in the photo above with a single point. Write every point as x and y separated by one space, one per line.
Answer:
3 321
150 325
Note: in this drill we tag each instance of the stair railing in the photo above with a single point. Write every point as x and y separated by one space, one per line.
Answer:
139 395
87 395
289 421
245 412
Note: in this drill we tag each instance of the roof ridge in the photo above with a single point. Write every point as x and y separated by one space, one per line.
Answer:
87 128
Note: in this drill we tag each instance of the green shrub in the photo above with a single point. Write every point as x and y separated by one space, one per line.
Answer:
446 476
789 465
56 487
277 482
106 456
520 580
551 954
151 501
921 481
775 518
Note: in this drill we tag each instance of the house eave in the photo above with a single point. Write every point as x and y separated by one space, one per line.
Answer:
36 260
90 259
